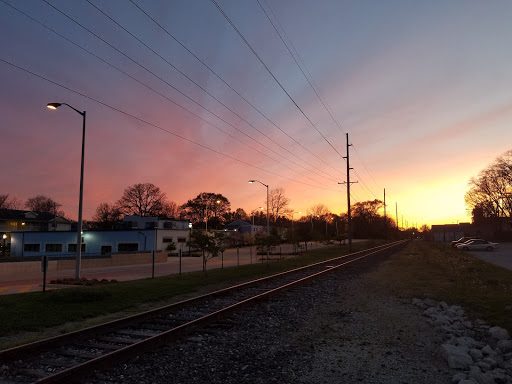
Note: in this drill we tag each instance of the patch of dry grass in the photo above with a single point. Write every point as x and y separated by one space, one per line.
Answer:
426 269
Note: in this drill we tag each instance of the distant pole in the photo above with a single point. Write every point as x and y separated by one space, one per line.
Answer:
385 221
396 208
154 254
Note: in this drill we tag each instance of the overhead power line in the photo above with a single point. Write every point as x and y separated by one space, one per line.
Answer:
201 87
170 85
271 74
148 87
159 127
311 82
232 88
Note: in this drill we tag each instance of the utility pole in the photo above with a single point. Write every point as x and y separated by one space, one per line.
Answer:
348 182
385 220
397 224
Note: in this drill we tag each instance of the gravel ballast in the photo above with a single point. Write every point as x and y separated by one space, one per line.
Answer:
343 328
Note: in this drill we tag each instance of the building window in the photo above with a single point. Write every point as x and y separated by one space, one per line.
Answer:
106 249
167 240
53 248
32 247
128 247
72 247
182 239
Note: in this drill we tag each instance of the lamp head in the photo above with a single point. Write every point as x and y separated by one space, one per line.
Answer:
251 181
53 105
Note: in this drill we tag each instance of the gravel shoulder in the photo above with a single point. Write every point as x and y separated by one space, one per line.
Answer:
342 329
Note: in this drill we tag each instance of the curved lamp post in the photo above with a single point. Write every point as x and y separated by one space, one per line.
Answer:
268 224
79 226
257 181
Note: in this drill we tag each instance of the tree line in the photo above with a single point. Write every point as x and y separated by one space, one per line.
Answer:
39 203
214 210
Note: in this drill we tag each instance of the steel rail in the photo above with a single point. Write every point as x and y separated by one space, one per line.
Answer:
42 345
107 360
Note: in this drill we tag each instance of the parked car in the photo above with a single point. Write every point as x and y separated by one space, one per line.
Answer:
478 244
461 240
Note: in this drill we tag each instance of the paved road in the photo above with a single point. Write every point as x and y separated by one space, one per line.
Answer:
501 256
33 282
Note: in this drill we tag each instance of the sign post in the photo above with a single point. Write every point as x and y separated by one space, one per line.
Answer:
44 268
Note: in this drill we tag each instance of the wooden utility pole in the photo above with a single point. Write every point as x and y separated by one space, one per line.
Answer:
385 220
396 208
348 182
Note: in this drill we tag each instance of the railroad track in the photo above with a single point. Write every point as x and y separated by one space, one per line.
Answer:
74 356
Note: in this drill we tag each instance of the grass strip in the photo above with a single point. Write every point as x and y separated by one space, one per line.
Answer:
435 270
69 307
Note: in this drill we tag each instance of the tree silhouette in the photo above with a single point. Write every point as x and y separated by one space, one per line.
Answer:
490 194
278 203
206 206
107 215
41 203
143 200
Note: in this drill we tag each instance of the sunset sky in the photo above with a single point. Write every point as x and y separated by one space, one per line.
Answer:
202 96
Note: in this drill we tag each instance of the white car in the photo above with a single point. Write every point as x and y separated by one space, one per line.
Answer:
478 245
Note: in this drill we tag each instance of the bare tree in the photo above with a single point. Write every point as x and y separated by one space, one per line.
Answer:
107 215
171 209
15 203
490 194
278 203
7 202
143 200
319 210
3 201
41 203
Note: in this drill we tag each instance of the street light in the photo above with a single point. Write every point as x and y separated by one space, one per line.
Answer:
268 225
79 229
